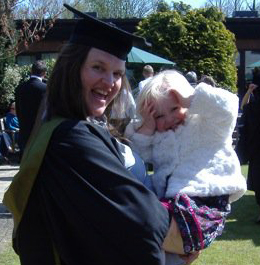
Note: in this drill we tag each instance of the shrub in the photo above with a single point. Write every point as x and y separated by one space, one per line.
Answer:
11 80
196 40
12 77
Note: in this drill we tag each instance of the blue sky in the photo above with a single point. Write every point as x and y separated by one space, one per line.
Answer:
193 3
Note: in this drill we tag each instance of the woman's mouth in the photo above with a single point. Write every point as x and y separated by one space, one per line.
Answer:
100 94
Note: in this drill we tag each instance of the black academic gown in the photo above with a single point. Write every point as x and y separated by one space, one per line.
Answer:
88 206
28 97
250 134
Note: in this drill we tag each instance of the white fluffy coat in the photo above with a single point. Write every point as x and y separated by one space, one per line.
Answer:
198 158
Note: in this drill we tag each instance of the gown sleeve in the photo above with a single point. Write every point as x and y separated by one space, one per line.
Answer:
95 209
218 109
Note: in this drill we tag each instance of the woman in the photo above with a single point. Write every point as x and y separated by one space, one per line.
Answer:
12 124
11 118
75 202
248 147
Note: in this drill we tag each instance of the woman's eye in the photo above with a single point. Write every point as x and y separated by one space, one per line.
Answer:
97 67
118 75
174 109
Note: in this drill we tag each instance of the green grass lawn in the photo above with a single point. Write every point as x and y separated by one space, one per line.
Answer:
238 245
240 241
9 257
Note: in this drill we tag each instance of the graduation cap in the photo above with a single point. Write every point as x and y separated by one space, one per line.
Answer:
93 32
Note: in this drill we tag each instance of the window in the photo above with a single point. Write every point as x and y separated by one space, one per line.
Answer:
47 56
25 59
252 61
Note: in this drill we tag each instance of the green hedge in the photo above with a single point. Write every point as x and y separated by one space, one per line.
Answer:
196 41
13 76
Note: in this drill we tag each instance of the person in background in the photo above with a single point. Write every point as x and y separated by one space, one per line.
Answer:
148 73
192 78
5 147
8 135
186 134
73 199
208 80
12 124
253 91
28 98
249 95
248 145
11 119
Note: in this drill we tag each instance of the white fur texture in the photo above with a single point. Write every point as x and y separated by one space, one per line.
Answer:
198 158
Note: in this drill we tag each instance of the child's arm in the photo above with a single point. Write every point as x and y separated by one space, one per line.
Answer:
148 122
139 142
213 102
141 134
246 98
217 109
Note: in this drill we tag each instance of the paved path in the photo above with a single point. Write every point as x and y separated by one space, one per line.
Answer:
6 222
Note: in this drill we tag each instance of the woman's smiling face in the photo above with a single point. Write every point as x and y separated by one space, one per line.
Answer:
101 78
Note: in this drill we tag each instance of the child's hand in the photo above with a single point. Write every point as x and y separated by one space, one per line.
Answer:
148 127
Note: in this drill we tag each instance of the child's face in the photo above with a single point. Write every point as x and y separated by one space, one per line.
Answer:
169 113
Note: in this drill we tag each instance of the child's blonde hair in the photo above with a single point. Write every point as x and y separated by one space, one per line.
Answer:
159 86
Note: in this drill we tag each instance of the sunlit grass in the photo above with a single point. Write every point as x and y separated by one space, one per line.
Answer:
240 241
8 257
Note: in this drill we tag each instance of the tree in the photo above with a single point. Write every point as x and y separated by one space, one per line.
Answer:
197 41
119 8
181 7
222 5
11 38
45 9
163 6
36 19
13 76
8 35
7 26
229 6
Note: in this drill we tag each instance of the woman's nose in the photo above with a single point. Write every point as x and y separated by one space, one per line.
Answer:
108 80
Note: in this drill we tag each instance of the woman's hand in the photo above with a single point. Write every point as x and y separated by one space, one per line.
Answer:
190 257
149 125
252 87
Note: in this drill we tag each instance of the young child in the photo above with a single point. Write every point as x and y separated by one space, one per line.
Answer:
186 134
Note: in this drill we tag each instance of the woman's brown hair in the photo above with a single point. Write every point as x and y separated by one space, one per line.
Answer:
117 126
64 89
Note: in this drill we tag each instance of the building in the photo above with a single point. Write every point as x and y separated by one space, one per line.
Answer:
246 30
50 46
247 33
